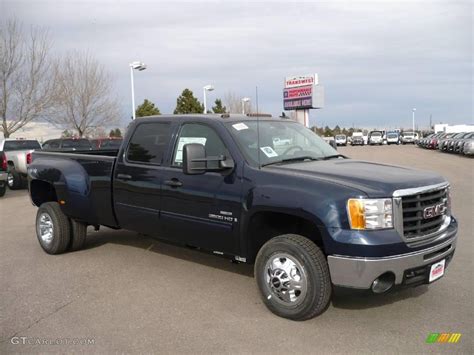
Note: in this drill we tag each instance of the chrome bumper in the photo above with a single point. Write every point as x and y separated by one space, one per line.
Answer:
3 176
355 272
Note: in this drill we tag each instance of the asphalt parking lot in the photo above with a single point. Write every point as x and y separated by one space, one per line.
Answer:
130 293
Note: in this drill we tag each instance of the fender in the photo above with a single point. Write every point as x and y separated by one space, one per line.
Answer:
85 188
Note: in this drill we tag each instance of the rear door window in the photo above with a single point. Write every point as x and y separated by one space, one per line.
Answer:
149 143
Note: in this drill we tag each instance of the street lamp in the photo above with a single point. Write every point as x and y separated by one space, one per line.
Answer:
413 120
138 66
244 100
204 89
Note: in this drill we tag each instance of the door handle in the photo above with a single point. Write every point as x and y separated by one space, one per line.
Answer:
124 176
173 183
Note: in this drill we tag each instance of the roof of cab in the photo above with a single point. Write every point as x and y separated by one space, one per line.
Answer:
212 116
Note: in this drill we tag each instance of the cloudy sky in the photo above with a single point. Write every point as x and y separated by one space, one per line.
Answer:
376 59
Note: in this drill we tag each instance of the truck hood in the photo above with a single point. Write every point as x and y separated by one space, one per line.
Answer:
374 179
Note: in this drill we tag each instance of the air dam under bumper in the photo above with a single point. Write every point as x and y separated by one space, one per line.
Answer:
359 273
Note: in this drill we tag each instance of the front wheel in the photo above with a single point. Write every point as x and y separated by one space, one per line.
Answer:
293 277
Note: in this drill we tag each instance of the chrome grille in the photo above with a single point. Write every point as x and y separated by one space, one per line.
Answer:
414 223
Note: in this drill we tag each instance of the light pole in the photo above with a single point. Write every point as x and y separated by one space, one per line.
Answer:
413 120
204 89
138 66
244 100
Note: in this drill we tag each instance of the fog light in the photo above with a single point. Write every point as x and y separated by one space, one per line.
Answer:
383 283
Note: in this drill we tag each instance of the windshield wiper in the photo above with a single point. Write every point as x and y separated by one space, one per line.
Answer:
334 156
288 160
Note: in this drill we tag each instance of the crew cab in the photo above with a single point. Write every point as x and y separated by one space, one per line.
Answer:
307 217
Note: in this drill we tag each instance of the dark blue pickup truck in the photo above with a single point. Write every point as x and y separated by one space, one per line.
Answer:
256 190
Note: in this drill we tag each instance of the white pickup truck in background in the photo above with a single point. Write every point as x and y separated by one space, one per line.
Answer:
18 154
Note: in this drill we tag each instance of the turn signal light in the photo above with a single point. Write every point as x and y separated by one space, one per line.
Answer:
356 214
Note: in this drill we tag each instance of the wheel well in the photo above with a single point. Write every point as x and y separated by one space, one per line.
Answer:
42 192
265 225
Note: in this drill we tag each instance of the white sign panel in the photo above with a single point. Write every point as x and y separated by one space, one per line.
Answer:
301 80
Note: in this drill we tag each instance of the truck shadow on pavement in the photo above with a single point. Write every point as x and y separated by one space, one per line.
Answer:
341 298
350 299
149 244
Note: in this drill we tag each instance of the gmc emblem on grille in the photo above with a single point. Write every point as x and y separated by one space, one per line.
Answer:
433 211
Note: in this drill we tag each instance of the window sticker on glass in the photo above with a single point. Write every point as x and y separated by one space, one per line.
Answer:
240 126
269 152
187 140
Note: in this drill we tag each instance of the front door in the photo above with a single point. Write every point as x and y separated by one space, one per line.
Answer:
138 177
201 210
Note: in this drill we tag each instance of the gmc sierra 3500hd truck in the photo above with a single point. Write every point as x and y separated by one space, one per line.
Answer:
307 217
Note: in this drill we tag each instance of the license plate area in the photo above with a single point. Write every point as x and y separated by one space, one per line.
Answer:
437 270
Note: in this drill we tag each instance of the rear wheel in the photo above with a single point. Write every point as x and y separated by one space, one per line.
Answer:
52 228
78 235
293 277
14 180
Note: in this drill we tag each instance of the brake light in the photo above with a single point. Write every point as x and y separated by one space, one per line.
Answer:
4 161
28 158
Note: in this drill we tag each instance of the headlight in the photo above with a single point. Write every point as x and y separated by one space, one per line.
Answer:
370 213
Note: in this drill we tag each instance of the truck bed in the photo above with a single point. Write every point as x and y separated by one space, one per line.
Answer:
82 180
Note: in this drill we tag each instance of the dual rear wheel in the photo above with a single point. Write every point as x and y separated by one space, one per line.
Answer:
56 232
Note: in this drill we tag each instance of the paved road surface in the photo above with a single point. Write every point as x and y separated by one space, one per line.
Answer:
133 294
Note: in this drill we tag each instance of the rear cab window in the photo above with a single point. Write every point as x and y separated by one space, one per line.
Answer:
148 143
21 144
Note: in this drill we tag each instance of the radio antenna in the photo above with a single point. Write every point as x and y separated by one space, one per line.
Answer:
258 128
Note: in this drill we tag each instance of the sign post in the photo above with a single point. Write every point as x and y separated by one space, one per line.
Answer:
302 93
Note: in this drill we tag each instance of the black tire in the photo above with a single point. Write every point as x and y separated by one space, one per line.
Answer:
61 228
3 188
14 180
78 235
314 266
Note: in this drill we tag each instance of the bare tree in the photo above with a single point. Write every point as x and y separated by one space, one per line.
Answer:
233 102
26 88
84 95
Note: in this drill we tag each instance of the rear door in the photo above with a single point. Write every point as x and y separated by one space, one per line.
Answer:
138 176
201 210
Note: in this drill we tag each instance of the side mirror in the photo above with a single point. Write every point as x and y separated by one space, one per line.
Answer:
333 144
194 159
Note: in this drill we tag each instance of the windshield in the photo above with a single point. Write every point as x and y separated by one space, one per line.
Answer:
375 134
278 141
340 136
408 134
20 145
392 135
76 143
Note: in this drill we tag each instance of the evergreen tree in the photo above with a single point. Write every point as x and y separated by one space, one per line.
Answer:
187 103
328 132
66 134
219 108
118 133
112 133
147 108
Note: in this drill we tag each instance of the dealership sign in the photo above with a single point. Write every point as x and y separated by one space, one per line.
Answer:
301 80
298 97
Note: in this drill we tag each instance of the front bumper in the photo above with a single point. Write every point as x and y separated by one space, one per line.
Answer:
356 272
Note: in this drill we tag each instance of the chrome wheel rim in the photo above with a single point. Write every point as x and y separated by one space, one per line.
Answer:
10 179
45 228
286 279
